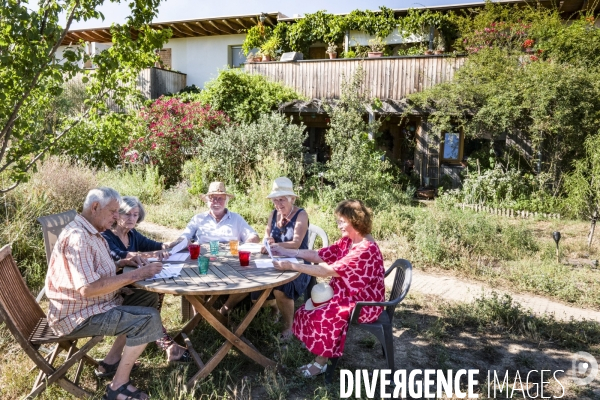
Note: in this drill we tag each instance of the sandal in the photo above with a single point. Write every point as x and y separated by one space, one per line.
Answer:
113 394
186 358
312 369
285 338
111 369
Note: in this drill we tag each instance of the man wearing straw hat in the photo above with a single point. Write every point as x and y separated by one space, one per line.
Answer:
218 223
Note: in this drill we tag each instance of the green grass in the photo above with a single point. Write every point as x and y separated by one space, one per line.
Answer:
429 333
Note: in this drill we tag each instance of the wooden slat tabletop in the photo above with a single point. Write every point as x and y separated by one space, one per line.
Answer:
225 276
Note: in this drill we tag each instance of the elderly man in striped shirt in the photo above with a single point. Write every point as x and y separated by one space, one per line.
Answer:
85 293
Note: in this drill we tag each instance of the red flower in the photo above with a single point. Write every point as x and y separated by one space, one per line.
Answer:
528 43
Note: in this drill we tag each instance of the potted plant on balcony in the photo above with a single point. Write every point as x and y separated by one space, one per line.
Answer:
439 45
332 50
269 48
377 45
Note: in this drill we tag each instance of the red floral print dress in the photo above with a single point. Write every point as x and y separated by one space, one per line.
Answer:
361 278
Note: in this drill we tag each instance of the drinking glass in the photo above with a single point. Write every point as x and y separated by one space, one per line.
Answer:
203 265
194 249
244 258
214 247
233 247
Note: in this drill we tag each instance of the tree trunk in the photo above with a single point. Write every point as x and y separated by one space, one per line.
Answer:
592 227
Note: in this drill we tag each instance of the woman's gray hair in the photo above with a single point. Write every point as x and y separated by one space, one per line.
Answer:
291 199
129 203
101 195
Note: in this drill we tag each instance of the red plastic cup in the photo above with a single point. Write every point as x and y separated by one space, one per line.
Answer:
244 258
194 249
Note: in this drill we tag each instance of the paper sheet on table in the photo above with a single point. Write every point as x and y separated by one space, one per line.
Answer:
172 257
265 263
180 246
251 247
267 246
178 257
168 271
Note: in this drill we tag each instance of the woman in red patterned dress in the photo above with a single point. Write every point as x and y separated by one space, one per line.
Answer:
356 266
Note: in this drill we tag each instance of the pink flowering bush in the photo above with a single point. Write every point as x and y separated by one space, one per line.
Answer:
173 133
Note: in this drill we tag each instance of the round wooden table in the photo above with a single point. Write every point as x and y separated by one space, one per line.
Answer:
225 276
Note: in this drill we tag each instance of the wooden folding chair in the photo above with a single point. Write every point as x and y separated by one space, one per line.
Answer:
27 322
52 226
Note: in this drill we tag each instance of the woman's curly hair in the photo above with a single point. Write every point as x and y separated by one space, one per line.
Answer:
359 215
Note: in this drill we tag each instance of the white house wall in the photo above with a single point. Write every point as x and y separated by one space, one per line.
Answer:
202 57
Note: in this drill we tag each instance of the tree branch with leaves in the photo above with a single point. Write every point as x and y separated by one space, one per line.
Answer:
34 72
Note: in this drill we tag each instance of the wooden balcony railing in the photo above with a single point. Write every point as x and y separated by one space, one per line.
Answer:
386 77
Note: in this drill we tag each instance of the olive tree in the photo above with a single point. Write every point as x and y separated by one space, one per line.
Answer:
34 71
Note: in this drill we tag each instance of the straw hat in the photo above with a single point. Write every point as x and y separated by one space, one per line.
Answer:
216 188
282 187
320 294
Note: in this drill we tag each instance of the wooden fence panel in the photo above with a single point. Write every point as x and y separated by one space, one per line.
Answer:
386 77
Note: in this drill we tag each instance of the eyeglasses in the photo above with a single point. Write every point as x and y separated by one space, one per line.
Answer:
217 199
341 222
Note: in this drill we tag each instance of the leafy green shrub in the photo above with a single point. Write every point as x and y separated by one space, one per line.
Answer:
356 168
99 142
245 97
509 188
232 153
174 132
582 186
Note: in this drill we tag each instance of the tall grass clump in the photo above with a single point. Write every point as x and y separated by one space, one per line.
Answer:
447 237
57 186
146 183
499 313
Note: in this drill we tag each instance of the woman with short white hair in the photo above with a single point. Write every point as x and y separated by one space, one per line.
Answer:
287 226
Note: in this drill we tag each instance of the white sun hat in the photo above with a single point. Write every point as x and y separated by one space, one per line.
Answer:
320 294
282 186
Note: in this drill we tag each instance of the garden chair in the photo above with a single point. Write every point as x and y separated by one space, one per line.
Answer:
382 328
313 232
27 322
52 226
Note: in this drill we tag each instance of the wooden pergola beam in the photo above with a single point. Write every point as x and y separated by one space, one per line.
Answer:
271 21
174 27
229 26
193 30
239 22
216 27
207 30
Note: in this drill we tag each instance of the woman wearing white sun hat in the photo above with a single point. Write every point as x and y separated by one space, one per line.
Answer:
288 227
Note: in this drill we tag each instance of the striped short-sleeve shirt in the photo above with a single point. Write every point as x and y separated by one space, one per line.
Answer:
81 256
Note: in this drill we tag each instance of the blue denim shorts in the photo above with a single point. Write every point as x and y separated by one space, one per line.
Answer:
140 324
